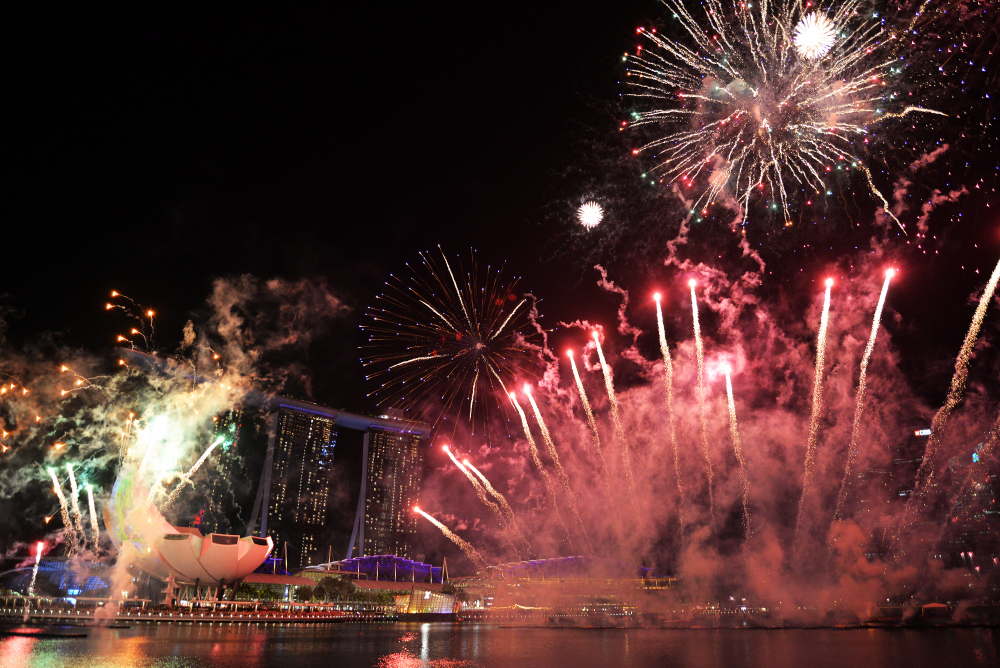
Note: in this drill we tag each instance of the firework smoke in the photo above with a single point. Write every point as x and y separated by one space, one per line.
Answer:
616 417
817 408
75 506
734 433
668 384
510 521
859 407
94 526
469 551
926 471
595 437
481 494
702 409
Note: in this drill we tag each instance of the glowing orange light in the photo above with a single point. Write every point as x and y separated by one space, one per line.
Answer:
416 508
829 282
569 353
48 519
109 306
64 368
149 313
656 296
595 335
692 283
59 446
114 293
890 273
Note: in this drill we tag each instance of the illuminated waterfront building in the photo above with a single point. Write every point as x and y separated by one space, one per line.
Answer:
299 474
295 489
394 469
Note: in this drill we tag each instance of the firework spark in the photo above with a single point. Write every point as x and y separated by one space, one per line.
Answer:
469 551
763 100
814 36
511 521
859 407
734 433
590 214
443 342
817 406
186 478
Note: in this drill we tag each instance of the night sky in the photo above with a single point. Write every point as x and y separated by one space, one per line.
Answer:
152 151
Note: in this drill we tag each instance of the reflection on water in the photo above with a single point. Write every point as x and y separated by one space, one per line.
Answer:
468 646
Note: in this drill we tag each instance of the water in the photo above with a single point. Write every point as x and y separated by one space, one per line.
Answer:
454 646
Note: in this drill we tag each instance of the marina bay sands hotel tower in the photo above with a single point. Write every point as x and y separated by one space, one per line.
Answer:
294 496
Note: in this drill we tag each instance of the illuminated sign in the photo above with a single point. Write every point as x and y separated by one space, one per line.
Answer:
922 432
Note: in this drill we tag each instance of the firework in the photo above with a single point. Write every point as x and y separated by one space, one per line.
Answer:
609 385
814 36
765 100
925 474
94 526
668 384
734 433
63 507
817 406
186 478
443 347
550 446
595 437
34 571
702 409
590 214
550 492
469 551
75 505
859 406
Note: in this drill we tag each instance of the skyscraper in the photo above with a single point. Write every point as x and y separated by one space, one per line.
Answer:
394 470
300 469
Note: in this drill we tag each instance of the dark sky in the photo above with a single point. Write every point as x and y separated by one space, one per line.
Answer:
150 151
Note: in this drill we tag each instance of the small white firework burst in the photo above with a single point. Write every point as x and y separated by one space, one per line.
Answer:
590 214
814 36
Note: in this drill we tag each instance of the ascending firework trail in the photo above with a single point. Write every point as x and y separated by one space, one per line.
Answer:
560 472
481 494
817 407
926 471
702 411
504 506
616 417
734 433
75 506
94 526
859 406
595 437
63 508
668 383
550 492
469 551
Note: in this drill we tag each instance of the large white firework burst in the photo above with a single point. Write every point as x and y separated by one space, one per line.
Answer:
590 214
814 35
745 114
